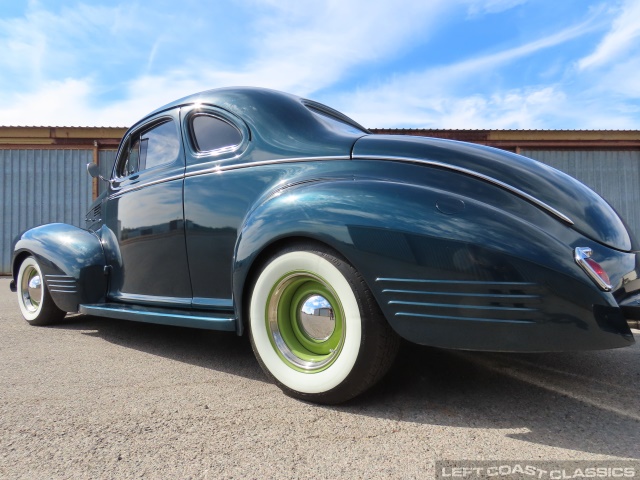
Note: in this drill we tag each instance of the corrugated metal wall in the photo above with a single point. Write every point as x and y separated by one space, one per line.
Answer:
615 175
51 185
41 186
106 159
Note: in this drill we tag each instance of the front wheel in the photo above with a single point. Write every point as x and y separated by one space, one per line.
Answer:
316 328
34 299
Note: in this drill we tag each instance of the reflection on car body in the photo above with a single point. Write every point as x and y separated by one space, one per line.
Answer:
254 211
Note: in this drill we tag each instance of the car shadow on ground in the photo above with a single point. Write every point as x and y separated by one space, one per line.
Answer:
551 399
446 388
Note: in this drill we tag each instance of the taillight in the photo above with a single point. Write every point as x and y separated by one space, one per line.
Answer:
583 258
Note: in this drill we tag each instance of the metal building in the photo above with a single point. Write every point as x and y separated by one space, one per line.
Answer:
43 177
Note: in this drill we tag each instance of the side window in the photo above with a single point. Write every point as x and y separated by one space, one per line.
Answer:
212 133
157 146
130 163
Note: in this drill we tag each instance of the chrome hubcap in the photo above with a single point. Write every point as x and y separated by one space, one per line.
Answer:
31 289
305 322
317 319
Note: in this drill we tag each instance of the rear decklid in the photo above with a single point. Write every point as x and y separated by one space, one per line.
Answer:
580 206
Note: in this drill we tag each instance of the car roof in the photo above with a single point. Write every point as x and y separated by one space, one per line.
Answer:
283 124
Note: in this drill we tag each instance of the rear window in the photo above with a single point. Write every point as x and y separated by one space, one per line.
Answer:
334 119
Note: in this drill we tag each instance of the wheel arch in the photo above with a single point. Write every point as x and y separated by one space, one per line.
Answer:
68 256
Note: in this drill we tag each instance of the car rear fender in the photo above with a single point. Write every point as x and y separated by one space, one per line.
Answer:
377 225
72 262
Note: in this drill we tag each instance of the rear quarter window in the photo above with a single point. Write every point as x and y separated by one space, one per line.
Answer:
212 133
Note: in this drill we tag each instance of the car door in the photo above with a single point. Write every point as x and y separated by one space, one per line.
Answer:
215 202
144 212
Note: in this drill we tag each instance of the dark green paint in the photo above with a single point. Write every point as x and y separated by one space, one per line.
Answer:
453 260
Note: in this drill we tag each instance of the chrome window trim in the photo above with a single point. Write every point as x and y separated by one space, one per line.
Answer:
223 115
138 131
215 151
475 174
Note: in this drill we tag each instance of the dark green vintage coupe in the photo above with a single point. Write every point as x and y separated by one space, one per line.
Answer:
250 210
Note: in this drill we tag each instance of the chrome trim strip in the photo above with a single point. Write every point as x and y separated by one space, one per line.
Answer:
473 173
215 303
460 306
504 296
219 169
454 282
137 186
472 319
225 168
151 299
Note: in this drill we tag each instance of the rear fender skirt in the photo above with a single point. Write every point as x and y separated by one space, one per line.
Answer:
72 262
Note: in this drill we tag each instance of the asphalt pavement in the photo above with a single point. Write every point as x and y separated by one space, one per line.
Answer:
97 398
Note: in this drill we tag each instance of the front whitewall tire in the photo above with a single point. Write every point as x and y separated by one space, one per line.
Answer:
35 302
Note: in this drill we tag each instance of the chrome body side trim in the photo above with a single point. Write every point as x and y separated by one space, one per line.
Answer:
224 168
457 282
150 299
123 190
475 174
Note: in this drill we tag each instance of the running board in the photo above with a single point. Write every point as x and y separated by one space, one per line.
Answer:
162 316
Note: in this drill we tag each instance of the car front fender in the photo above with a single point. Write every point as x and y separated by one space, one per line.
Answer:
72 262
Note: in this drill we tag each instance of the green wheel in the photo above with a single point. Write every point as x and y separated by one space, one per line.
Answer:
315 327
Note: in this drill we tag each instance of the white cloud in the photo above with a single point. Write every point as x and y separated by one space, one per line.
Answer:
50 105
430 98
623 36
517 108
478 7
304 47
44 45
58 67
300 48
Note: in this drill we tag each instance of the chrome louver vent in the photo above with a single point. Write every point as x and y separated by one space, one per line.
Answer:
451 300
61 283
94 215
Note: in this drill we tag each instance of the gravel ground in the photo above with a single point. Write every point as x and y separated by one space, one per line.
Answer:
96 398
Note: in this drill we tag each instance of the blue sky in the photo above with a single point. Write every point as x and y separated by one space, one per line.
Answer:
542 64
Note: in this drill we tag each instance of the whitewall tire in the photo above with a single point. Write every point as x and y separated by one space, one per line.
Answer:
315 327
35 302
